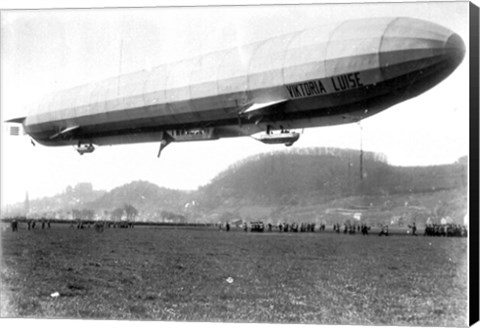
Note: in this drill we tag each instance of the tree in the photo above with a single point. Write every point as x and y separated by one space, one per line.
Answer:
130 211
117 214
76 214
88 214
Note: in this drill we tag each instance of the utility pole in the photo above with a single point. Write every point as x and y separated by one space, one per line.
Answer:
120 62
361 150
26 204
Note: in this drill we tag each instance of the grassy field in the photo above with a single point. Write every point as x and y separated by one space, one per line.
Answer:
210 275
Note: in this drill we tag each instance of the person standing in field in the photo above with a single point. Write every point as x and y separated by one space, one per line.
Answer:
384 231
14 225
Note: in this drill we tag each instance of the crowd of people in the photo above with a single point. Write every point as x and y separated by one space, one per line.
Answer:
31 223
44 223
100 225
259 226
446 230
295 227
431 229
351 228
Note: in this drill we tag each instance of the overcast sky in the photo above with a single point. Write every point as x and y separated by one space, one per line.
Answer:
45 51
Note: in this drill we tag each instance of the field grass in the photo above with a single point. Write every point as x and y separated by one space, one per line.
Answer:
209 275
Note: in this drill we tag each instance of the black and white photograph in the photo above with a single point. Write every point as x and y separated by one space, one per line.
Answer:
298 163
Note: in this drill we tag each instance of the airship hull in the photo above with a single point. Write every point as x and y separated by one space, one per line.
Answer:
324 76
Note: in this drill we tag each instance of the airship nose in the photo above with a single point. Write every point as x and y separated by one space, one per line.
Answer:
419 52
454 49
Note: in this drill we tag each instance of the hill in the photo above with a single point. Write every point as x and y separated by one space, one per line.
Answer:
152 202
77 196
323 174
314 185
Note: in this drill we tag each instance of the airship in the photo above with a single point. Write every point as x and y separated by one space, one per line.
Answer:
327 75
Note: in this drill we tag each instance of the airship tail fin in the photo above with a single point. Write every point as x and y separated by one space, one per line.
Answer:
16 120
16 129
